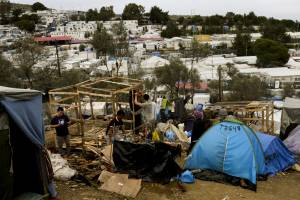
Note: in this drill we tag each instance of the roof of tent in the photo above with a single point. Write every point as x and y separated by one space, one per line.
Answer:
291 103
290 113
17 93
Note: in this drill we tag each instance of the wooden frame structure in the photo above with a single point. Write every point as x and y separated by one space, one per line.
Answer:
257 113
111 90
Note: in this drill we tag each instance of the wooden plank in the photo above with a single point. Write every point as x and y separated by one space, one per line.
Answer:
95 94
65 99
116 83
94 89
63 93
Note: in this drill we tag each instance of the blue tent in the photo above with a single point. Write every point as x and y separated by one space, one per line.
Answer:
231 148
24 161
278 157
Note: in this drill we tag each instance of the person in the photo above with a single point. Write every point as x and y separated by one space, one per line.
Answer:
136 109
148 111
200 126
163 109
60 122
114 126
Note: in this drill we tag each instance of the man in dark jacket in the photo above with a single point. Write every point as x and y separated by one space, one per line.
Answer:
61 122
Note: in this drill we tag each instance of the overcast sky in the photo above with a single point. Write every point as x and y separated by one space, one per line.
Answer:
287 9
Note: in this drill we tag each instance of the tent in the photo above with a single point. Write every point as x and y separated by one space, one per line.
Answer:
290 116
24 166
231 148
278 157
293 141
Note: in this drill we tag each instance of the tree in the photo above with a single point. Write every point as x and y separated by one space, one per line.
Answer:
82 47
170 74
288 90
251 19
38 6
28 54
133 11
157 16
16 15
274 30
5 8
92 15
120 44
7 73
242 44
171 30
33 17
270 53
103 43
180 20
74 17
247 88
26 25
106 13
194 79
216 87
198 50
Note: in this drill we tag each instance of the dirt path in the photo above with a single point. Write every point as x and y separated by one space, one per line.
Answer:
285 187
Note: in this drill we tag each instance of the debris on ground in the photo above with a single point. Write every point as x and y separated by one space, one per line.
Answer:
120 184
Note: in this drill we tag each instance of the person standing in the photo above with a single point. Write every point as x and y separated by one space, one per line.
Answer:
200 126
148 111
163 109
61 122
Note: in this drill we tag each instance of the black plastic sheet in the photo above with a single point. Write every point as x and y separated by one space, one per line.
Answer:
149 162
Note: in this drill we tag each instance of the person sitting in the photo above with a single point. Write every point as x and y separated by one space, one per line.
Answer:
114 127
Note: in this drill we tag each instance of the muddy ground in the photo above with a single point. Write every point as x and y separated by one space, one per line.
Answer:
285 187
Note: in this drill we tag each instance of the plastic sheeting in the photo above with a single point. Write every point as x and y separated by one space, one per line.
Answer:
290 115
293 141
61 169
149 162
28 116
278 157
231 148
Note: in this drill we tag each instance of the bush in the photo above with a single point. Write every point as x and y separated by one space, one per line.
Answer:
82 47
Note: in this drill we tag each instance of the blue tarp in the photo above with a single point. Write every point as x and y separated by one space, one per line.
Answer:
278 157
231 148
27 113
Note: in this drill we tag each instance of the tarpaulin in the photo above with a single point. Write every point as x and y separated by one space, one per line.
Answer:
150 162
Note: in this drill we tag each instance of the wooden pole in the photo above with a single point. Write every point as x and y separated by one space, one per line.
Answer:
57 59
263 119
220 84
81 124
133 112
92 109
268 119
273 124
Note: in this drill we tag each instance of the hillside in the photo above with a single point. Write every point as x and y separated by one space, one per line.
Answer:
22 6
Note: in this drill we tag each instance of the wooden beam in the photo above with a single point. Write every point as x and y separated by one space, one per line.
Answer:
95 94
65 99
63 93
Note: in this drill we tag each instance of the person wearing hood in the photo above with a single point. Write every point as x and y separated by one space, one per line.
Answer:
201 125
